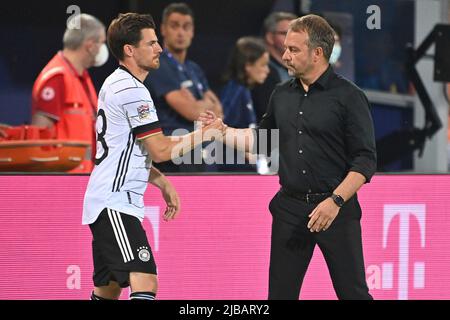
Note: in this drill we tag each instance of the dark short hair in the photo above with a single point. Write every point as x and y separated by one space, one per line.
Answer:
246 50
320 33
178 7
126 29
270 23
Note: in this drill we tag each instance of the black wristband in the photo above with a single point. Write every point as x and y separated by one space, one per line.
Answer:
338 200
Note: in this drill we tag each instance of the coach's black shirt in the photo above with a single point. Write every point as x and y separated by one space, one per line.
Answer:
324 133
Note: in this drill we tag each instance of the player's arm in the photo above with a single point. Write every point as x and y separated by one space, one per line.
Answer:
164 148
168 192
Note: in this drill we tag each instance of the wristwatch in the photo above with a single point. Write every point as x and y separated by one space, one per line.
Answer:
338 200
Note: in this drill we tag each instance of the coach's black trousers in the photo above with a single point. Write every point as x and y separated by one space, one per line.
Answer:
292 246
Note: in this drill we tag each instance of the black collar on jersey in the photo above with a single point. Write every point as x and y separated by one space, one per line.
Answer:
125 69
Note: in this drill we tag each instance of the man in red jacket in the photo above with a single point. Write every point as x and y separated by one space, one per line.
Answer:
64 98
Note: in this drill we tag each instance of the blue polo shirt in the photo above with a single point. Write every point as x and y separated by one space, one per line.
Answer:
237 105
238 112
172 76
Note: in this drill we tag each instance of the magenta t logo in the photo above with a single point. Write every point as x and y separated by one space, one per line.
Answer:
404 211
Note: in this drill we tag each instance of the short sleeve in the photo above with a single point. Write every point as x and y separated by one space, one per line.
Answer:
49 101
138 107
142 118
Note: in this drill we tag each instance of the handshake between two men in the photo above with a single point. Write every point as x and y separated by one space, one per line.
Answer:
210 128
215 129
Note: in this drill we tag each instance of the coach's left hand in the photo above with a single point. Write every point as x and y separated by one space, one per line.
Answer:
323 215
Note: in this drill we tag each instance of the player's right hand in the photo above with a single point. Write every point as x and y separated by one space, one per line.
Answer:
207 117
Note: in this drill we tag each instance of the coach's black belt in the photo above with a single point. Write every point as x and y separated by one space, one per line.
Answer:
307 197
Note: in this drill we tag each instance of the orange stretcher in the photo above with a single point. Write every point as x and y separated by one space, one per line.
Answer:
31 149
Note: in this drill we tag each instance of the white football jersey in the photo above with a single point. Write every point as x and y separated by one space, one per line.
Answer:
126 114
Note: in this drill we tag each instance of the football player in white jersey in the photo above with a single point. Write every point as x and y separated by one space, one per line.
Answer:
129 138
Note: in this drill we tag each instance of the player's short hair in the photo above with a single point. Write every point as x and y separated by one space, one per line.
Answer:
126 29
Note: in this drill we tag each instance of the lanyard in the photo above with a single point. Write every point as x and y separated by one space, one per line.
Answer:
196 84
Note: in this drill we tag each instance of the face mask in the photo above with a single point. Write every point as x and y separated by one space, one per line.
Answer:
102 56
336 53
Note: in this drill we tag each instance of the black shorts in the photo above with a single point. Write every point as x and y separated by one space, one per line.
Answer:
119 246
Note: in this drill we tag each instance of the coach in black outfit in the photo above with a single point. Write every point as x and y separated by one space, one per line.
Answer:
327 152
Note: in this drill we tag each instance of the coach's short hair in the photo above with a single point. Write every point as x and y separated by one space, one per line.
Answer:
89 27
126 29
320 33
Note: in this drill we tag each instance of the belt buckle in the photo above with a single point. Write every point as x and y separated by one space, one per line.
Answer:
307 198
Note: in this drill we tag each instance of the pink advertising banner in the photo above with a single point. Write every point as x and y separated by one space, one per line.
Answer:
218 248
